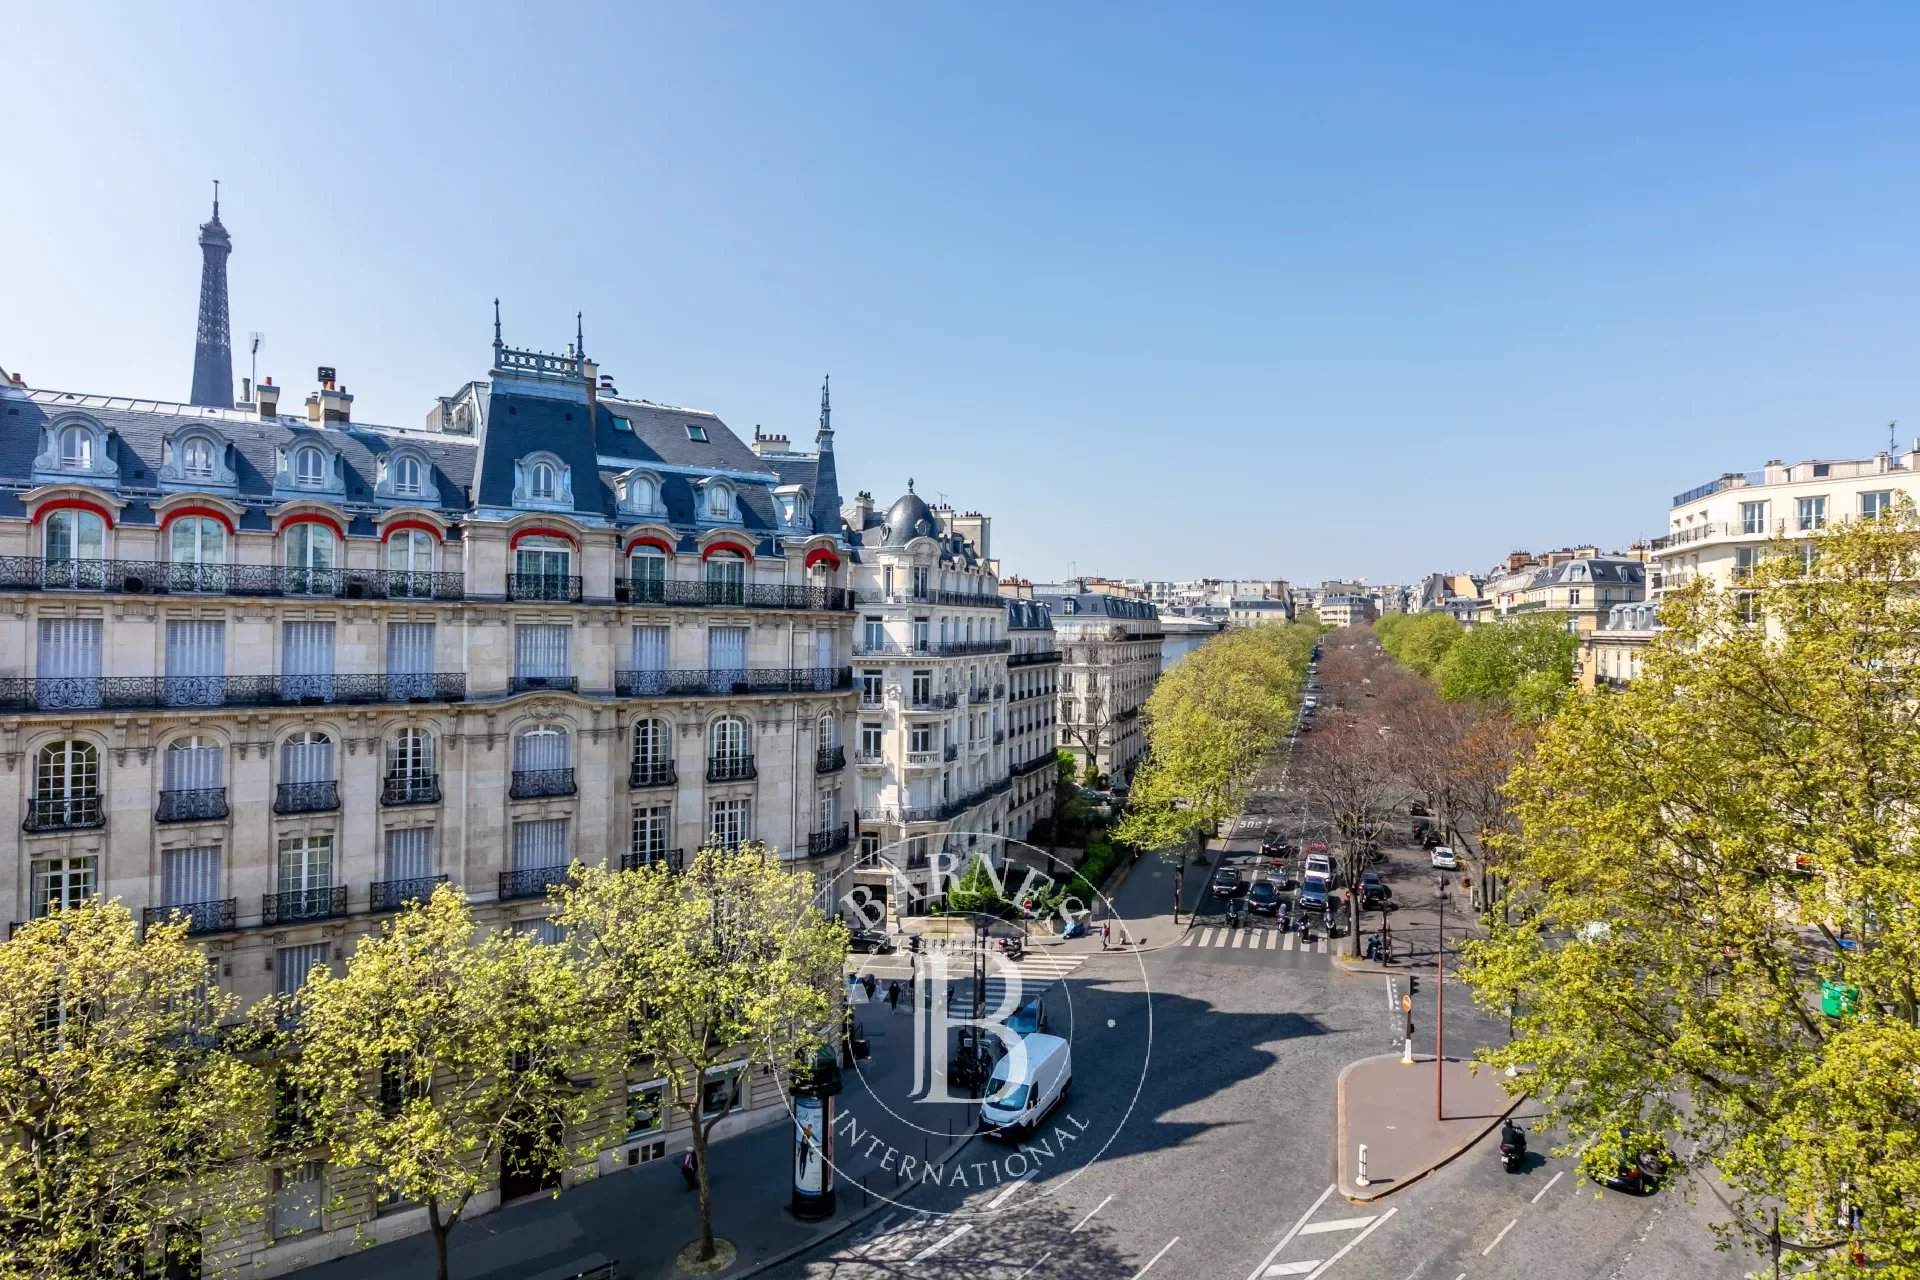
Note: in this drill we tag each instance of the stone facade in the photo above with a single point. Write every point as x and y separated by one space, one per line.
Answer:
1110 650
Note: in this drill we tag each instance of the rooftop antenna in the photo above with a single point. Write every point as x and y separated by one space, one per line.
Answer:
253 342
1890 445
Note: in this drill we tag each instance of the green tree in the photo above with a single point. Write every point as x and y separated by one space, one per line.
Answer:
1692 853
730 961
1524 666
442 1051
122 1103
1419 641
974 890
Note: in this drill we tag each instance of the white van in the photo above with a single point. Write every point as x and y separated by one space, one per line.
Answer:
1018 1101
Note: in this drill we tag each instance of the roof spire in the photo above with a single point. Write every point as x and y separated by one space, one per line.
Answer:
216 199
212 350
826 477
496 322
826 404
579 338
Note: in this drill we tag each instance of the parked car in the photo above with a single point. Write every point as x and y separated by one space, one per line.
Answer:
1263 898
1443 858
1276 847
1227 883
1314 893
1419 810
1319 864
871 942
1373 890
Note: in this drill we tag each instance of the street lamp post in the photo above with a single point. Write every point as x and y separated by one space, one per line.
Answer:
1440 1007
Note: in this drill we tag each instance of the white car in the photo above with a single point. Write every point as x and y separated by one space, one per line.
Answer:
1443 858
1318 864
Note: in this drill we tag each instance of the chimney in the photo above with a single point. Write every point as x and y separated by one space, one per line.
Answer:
329 403
862 510
267 396
590 374
765 443
606 385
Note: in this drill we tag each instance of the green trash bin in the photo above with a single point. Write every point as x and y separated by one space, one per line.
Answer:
1839 999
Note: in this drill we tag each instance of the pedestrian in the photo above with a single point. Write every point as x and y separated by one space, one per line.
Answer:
893 996
1106 933
869 982
690 1170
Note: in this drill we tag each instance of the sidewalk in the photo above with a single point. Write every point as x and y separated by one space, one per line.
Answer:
1389 1106
640 1218
1140 895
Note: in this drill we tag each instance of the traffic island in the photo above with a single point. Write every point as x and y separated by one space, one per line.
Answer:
1387 1105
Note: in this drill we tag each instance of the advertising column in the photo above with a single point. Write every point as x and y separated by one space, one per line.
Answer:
813 1095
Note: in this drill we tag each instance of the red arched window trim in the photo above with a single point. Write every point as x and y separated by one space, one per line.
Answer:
309 517
75 504
726 546
650 540
212 513
542 531
820 554
421 525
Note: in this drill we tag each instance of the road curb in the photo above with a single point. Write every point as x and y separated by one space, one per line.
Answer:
853 1220
1367 1196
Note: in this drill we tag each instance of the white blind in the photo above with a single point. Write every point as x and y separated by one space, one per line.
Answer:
537 749
188 876
541 650
727 648
69 648
540 844
409 854
193 768
649 648
306 659
310 760
410 648
291 965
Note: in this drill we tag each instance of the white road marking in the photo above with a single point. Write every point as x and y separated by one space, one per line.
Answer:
1187 941
1156 1257
1542 1191
1287 943
874 1236
1012 1187
1372 1227
1089 1218
1036 1266
1337 1224
940 1244
1293 1268
1497 1239
1293 1231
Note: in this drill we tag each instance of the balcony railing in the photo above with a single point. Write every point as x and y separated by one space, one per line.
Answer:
829 759
863 648
530 882
410 788
306 797
1033 658
295 905
870 760
532 784
391 895
673 859
825 842
652 773
724 682
923 759
202 804
731 595
89 693
65 813
159 577
731 769
979 697
528 684
966 599
201 917
999 737
543 586
1034 765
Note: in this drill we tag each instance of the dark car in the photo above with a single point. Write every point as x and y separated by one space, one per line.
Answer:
1312 895
1373 890
1227 883
1275 847
1419 810
1263 898
871 942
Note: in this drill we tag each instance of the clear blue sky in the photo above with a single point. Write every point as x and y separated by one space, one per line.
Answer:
1169 291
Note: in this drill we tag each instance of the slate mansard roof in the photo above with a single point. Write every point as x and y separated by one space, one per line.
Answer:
1028 615
1097 604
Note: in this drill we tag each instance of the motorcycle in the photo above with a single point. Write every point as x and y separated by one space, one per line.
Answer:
1513 1146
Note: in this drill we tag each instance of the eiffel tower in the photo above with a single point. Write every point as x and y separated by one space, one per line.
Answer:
212 347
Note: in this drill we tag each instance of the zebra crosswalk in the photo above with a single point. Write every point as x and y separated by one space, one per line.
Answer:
1012 983
1256 939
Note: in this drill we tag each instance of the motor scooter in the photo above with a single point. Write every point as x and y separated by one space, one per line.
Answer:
1513 1146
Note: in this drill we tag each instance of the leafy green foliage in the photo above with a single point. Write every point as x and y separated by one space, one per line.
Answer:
118 1097
1690 853
974 891
1524 666
1418 641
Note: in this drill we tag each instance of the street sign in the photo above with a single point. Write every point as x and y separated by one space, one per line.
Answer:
1406 1004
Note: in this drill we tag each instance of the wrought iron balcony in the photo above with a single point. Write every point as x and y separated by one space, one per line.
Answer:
731 769
673 859
306 797
731 595
999 737
410 788
202 804
543 586
201 917
114 693
65 813
1026 767
323 903
1033 658
530 882
927 648
391 895
979 697
161 577
724 682
526 684
829 759
825 842
531 784
966 599
653 773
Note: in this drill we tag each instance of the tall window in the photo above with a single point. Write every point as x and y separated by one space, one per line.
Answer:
410 557
1812 513
196 662
66 786
873 635
410 659
870 739
406 475
1875 505
729 822
191 878
641 495
306 660
539 749
652 751
829 730
922 688
726 578
871 683
728 740
305 864
726 657
306 759
827 811
409 854
410 759
542 655
542 567
309 467
652 827
921 582
68 663
59 883
542 483
648 575
76 449
1753 517
196 459
312 553
540 843
192 774
75 543
196 554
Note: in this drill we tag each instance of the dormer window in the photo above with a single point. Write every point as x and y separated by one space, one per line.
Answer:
719 503
196 459
406 476
541 483
76 449
640 493
309 467
696 433
542 480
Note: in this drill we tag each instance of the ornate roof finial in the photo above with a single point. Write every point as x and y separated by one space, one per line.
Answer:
826 404
579 338
496 322
909 484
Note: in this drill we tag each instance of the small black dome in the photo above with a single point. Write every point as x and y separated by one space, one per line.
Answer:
908 519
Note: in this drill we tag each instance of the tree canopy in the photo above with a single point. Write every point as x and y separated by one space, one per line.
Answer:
1418 641
1521 665
1719 893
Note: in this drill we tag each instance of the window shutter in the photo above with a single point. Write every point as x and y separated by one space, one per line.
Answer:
189 876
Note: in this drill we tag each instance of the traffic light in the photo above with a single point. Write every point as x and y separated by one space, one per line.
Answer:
1413 984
